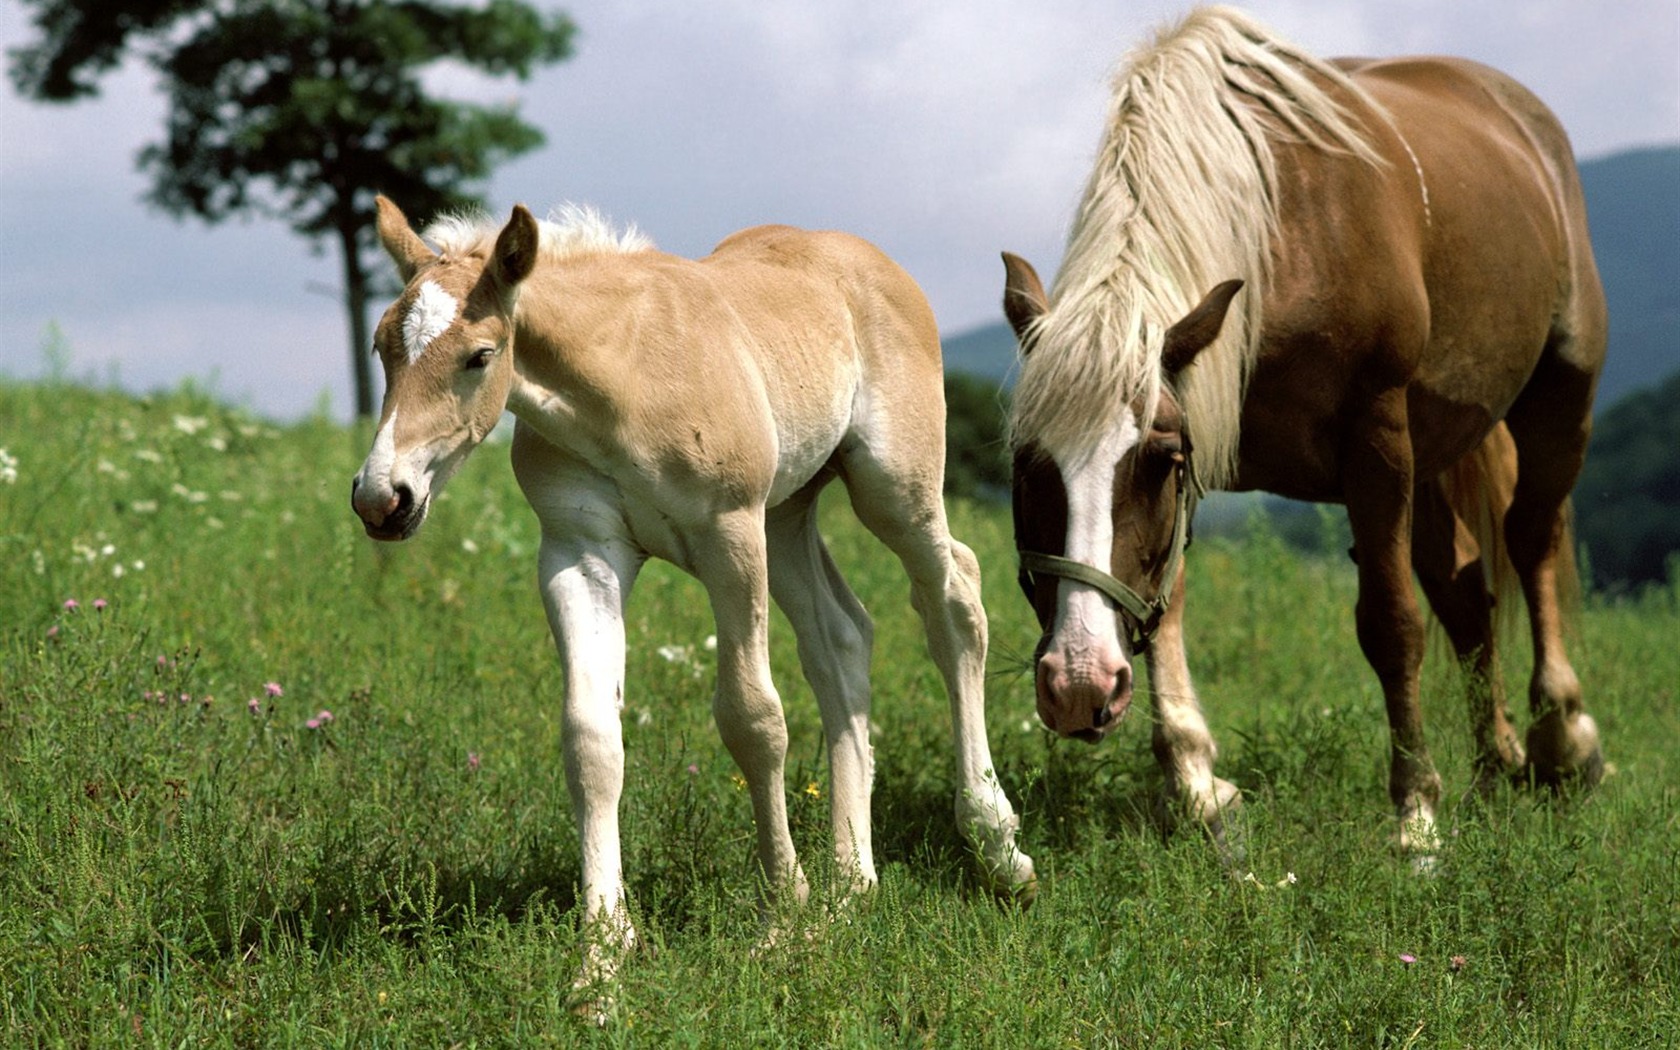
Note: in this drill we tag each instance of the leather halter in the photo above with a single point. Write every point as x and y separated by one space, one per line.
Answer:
1145 614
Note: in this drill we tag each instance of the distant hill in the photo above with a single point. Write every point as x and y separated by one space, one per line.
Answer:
1633 207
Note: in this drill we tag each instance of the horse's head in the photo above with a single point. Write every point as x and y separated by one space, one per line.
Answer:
447 348
1101 532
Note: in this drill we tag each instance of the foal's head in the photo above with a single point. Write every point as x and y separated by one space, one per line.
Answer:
447 348
1101 528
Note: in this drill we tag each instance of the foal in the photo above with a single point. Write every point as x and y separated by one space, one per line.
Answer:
692 410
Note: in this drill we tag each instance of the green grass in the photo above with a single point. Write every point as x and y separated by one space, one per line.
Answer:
178 870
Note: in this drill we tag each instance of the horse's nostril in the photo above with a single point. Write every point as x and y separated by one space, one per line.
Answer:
403 502
1101 716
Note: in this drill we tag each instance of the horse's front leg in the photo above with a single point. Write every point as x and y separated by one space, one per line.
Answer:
584 587
1378 485
1180 738
732 563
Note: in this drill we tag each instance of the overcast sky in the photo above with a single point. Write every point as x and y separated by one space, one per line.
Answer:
943 131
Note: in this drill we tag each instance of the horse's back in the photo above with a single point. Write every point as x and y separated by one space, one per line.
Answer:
883 297
1506 197
1450 270
845 342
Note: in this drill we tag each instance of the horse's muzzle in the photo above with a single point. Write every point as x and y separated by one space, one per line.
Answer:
395 517
1084 704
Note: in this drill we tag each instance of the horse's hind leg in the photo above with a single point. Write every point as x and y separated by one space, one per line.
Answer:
1550 423
732 563
905 509
1448 560
835 637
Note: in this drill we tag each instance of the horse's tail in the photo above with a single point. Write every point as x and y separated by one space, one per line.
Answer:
1479 487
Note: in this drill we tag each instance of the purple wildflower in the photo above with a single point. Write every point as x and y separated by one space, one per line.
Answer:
72 604
472 761
99 604
1408 958
273 689
254 706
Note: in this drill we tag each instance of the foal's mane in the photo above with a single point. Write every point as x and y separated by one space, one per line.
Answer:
570 230
1181 198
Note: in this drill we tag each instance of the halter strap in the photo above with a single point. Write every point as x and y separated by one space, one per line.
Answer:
1146 613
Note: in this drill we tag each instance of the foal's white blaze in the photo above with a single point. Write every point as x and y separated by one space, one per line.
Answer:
382 458
428 317
1085 642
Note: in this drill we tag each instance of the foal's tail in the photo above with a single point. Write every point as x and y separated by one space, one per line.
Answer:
1480 486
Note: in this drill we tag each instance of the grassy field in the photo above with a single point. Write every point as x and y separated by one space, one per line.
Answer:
263 783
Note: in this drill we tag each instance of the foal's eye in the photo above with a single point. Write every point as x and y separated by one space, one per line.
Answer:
480 359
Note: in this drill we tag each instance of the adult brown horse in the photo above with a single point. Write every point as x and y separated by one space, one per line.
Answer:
1418 332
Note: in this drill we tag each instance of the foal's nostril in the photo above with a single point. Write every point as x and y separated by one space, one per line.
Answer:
402 502
1101 716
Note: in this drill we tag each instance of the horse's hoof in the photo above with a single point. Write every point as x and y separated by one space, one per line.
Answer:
589 1003
1020 894
1563 753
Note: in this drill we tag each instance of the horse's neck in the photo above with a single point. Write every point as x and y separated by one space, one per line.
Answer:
570 380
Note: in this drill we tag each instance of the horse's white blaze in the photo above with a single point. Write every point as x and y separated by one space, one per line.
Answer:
382 458
428 317
1087 628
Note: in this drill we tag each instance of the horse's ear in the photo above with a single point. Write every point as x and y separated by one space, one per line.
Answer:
402 244
515 255
1024 300
1199 328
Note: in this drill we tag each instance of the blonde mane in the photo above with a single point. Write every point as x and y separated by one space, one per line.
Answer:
569 230
1182 197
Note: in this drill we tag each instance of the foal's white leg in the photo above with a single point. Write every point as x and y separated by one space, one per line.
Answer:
906 510
584 589
732 565
1182 744
835 636
949 605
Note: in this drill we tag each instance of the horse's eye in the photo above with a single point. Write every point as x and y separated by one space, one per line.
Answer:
480 359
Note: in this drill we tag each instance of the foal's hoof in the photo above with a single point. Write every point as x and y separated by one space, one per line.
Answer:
1020 894
1563 752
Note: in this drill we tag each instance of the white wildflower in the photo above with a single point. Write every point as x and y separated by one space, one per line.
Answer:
710 643
216 444
190 424
148 455
190 495
8 467
144 506
469 546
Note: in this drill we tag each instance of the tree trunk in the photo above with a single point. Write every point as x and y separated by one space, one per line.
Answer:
355 301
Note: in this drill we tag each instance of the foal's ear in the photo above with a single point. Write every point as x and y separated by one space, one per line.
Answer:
1199 328
402 244
515 255
1024 300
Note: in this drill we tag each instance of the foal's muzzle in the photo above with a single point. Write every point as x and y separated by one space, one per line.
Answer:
396 517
